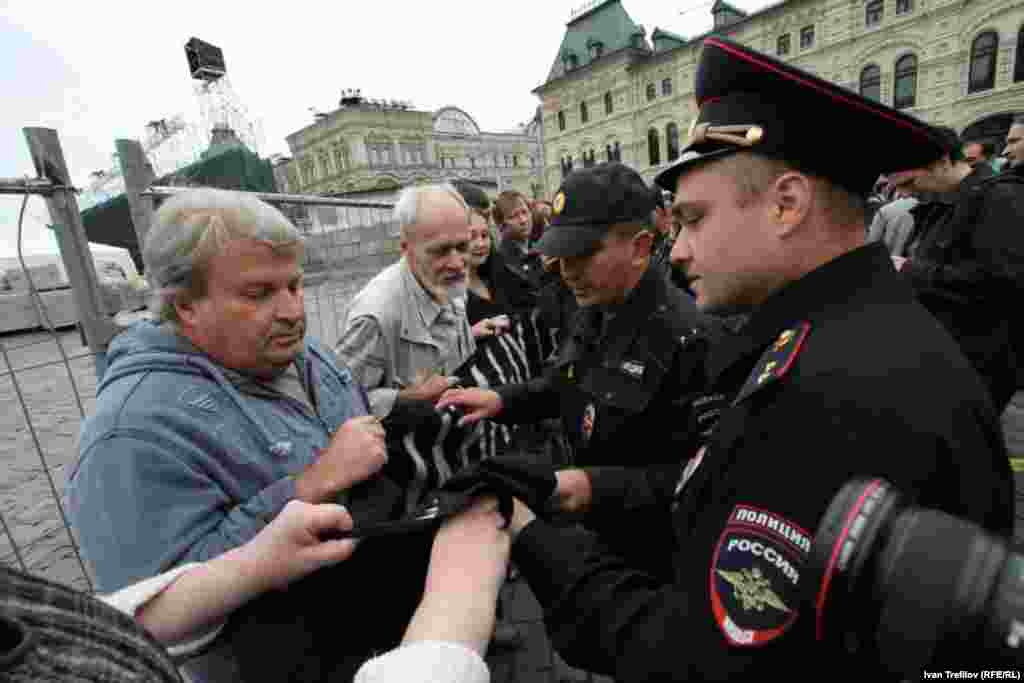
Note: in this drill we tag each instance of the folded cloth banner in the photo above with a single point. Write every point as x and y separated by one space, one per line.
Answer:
426 447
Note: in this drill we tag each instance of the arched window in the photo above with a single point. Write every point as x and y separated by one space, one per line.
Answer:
609 155
653 152
983 62
871 82
584 114
671 142
651 94
561 121
666 87
618 152
608 107
873 12
1018 67
905 82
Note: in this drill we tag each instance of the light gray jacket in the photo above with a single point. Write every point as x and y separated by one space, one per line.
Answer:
392 335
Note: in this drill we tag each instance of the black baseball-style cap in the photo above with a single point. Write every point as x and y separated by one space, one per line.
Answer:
750 101
588 203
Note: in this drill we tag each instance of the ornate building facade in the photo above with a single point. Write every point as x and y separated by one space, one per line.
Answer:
614 92
372 149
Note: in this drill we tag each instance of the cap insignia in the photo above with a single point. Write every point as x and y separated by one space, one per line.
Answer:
742 135
558 203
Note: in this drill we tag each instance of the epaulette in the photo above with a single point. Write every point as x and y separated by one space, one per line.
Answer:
776 361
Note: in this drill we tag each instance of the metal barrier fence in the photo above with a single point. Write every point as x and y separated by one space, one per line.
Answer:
48 372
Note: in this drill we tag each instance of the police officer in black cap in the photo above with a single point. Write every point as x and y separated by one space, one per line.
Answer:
623 379
831 377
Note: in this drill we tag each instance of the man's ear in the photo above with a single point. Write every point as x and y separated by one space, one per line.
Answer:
790 200
642 242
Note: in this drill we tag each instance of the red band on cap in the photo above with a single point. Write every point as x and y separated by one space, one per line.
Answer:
835 96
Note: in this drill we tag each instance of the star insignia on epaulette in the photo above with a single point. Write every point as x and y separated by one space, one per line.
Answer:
776 361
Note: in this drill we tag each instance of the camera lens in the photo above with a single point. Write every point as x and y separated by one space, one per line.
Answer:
913 589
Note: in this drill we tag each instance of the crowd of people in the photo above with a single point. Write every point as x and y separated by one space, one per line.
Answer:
717 354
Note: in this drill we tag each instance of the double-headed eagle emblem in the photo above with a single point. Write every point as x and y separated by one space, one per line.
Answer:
753 589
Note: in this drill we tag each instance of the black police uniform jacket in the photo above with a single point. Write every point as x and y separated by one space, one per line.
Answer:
969 272
839 374
616 389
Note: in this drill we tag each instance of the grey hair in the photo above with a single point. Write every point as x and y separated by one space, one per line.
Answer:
407 208
192 227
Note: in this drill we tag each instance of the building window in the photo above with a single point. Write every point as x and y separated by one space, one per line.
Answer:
618 152
904 6
807 37
871 82
671 142
596 48
608 107
584 114
339 159
588 159
983 62
569 61
515 159
666 87
1018 67
782 45
472 162
653 152
561 123
531 161
905 82
873 12
651 94
609 155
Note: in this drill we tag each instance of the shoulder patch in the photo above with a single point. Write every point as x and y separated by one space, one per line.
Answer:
755 575
776 361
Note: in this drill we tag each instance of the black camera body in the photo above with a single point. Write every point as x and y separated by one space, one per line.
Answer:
915 589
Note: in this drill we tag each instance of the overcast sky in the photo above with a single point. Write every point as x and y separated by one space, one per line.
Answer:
100 70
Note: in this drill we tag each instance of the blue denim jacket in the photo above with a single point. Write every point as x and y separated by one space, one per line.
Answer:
178 464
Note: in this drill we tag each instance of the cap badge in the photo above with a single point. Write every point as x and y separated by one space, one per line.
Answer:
558 203
741 136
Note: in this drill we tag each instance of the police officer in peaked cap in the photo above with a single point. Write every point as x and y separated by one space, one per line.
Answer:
626 375
833 376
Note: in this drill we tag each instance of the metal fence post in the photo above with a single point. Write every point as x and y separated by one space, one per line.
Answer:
138 175
48 158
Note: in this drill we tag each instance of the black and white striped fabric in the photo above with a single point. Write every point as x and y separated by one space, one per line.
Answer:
423 457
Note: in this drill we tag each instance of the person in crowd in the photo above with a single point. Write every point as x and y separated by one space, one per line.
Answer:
485 305
664 231
540 212
211 418
981 152
1014 150
406 331
968 268
893 225
521 274
53 633
831 377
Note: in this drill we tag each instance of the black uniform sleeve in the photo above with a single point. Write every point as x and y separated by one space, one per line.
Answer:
795 454
530 401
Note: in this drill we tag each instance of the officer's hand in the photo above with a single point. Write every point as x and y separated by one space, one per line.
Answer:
476 403
573 492
356 452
